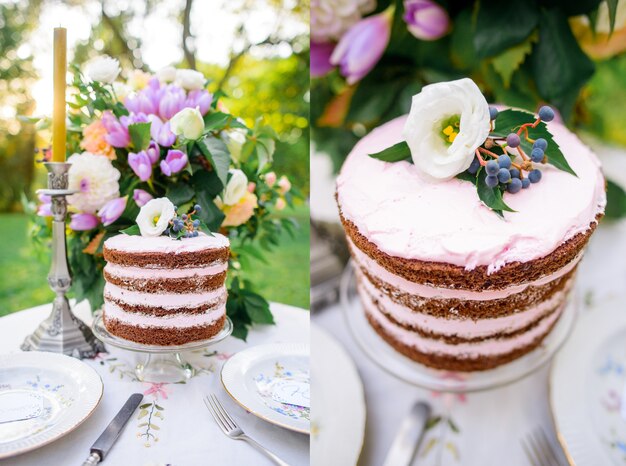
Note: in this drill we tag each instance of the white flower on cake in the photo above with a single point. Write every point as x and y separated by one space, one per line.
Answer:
95 179
448 121
154 217
236 187
103 69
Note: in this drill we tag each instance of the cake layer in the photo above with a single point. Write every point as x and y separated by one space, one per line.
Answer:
161 281
411 219
171 320
173 301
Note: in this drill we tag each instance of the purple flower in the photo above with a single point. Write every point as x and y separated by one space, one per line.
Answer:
320 58
172 102
154 153
141 165
161 132
45 208
141 197
174 162
134 118
117 133
361 47
82 222
201 99
112 210
426 19
141 103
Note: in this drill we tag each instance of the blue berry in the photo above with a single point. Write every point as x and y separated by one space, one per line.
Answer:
536 155
540 143
546 113
184 216
195 233
492 167
535 176
176 228
525 183
514 172
474 166
167 231
504 161
196 223
514 186
513 140
197 208
491 181
504 175
493 113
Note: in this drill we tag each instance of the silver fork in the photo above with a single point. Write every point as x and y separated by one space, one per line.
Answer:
232 430
540 451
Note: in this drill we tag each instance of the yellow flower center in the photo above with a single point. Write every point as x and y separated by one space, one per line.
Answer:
450 128
156 219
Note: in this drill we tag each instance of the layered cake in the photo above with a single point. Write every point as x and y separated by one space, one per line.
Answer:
447 281
163 291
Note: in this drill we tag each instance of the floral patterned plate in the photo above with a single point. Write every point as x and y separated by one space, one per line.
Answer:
68 389
256 378
588 388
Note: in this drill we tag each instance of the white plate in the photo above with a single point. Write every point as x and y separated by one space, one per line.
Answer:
588 388
335 440
70 390
249 375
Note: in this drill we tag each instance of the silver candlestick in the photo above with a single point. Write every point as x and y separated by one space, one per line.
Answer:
62 331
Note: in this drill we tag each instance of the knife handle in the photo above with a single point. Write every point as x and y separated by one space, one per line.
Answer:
93 459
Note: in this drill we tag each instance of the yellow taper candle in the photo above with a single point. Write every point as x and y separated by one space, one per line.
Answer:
58 113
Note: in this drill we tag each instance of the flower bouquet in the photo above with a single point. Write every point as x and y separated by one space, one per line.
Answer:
166 136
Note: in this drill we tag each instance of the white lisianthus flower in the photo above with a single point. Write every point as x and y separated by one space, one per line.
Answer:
103 69
154 217
95 179
236 187
166 74
189 79
448 121
235 139
188 123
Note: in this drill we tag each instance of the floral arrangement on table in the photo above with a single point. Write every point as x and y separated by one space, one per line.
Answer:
164 144
368 57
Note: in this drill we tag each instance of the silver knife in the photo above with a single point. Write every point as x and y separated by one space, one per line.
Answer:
409 436
106 440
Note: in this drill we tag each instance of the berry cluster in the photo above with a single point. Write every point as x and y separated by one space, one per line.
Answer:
510 173
184 226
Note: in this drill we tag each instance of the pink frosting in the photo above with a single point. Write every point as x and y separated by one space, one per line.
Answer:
177 320
164 300
151 273
466 328
165 244
407 216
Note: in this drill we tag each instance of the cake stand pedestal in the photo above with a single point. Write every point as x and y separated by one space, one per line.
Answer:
415 373
160 364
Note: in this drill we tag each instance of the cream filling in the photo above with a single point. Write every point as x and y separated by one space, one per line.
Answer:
177 320
164 300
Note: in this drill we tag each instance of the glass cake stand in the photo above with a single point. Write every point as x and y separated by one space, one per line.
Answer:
418 374
161 363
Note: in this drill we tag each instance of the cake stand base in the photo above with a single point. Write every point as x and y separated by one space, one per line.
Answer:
160 364
415 373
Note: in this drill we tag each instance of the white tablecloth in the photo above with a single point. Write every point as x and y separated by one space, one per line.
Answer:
484 428
187 434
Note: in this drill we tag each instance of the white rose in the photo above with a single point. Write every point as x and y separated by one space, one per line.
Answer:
236 187
166 74
121 90
154 217
188 123
235 139
103 69
189 79
95 179
436 152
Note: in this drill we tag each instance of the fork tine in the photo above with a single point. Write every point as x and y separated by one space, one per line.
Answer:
529 453
543 445
548 446
539 453
218 412
224 412
215 418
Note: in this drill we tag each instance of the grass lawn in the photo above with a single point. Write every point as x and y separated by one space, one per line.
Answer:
23 276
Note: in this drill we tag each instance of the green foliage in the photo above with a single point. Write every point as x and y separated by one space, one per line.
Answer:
616 201
395 153
139 135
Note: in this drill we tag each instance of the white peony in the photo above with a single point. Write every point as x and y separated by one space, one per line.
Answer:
446 124
166 74
154 217
103 69
236 187
330 19
189 79
235 139
188 123
95 179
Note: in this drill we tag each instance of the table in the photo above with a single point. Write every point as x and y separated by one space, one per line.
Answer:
483 428
186 435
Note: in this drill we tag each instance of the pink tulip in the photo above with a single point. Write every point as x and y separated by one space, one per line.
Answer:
141 197
161 132
172 102
153 151
426 19
362 46
320 58
117 133
83 222
112 210
174 162
200 99
141 165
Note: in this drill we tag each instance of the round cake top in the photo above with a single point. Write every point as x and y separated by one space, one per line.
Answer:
165 244
407 216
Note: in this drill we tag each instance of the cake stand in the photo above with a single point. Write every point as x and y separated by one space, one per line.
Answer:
160 363
418 374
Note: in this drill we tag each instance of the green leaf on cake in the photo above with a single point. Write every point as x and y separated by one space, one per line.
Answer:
132 230
395 153
139 135
491 197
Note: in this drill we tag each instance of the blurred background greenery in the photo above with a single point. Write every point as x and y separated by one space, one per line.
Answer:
256 51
